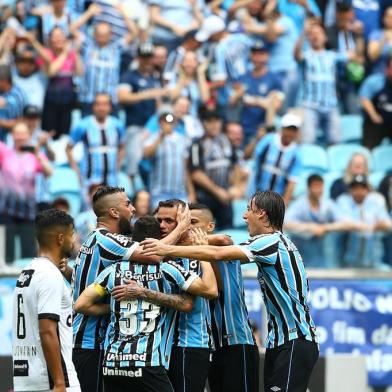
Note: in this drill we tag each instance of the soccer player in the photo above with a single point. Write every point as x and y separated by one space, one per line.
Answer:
133 348
106 245
235 361
42 322
292 348
192 346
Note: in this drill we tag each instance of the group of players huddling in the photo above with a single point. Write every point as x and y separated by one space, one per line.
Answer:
160 306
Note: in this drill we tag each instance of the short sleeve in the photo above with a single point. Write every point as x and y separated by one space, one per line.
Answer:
121 132
371 86
195 157
177 275
49 296
296 168
126 81
115 247
103 283
77 133
262 250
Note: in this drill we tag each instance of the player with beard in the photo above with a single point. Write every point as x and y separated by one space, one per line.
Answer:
42 323
107 244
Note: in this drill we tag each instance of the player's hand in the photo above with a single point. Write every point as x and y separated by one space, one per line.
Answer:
129 291
183 218
199 236
153 247
95 9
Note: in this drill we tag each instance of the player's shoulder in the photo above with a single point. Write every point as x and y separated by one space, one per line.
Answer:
119 238
40 271
262 240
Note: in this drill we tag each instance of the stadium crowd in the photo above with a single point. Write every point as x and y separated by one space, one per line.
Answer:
203 101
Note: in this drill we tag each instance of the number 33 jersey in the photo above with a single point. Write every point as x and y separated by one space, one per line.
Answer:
40 293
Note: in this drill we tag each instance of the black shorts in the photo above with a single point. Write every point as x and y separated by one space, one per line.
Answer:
140 379
290 365
88 365
189 368
235 369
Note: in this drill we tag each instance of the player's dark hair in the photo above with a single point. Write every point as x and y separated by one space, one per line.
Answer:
105 94
170 203
314 178
273 205
343 6
146 227
202 207
102 192
49 219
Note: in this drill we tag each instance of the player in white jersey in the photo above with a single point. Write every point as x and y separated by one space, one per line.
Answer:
42 320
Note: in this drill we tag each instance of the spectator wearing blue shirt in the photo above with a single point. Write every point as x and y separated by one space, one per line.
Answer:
103 140
376 100
279 35
258 92
168 151
277 159
138 93
229 57
368 12
380 42
173 19
12 102
319 90
310 219
101 58
364 248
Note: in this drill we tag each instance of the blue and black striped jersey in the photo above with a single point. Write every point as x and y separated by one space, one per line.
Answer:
284 285
229 315
193 329
101 249
136 335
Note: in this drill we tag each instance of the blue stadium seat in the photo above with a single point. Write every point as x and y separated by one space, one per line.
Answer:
64 182
351 128
375 178
124 182
314 158
237 235
340 154
382 158
239 207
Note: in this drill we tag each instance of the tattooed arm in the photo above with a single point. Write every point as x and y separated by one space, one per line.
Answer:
131 290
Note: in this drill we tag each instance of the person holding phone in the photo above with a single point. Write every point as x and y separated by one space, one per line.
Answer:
19 166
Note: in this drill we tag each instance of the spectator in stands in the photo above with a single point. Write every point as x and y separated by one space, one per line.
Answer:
160 60
173 19
258 93
358 165
56 14
277 159
380 42
376 101
229 58
168 152
43 139
385 188
19 166
138 93
28 77
190 81
22 20
86 221
346 37
141 201
360 204
103 138
213 164
101 59
279 34
61 62
319 90
310 218
62 204
12 102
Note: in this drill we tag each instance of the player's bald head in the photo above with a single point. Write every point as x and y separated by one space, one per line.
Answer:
106 197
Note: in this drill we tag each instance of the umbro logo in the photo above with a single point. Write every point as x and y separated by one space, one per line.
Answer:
276 389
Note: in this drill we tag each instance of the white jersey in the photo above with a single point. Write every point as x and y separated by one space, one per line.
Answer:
40 293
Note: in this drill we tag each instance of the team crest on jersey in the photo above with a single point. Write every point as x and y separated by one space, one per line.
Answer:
21 368
25 278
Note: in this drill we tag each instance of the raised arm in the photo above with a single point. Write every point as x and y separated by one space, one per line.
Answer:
93 10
